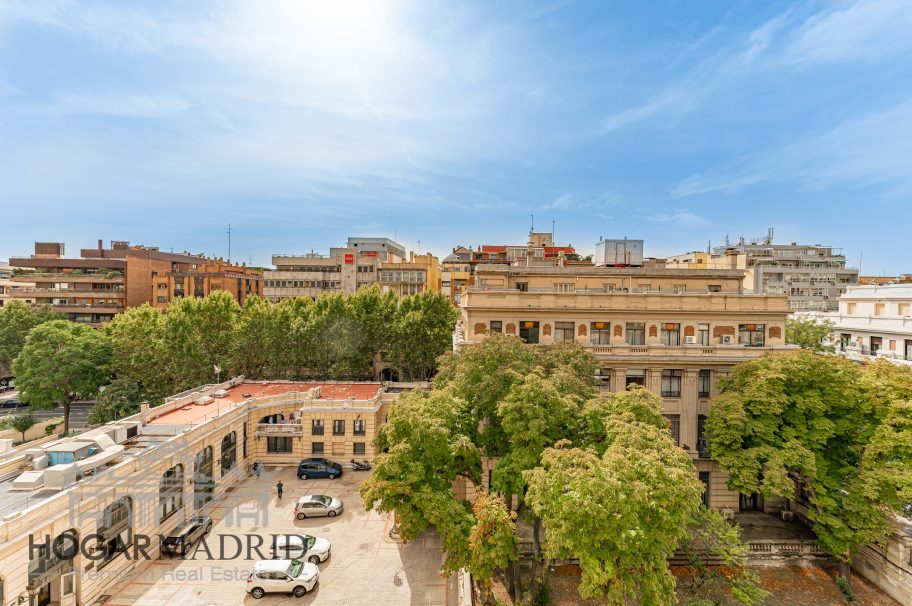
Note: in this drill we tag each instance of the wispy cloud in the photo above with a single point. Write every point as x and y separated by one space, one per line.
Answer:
871 149
681 217
577 201
127 105
7 89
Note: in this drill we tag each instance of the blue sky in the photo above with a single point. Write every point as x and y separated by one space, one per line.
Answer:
301 123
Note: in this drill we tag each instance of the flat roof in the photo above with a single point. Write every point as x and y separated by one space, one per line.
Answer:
248 390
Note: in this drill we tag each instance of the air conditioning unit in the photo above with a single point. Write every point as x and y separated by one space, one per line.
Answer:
690 340
727 339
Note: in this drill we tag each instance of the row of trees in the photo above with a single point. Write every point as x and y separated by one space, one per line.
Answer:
832 433
144 354
599 471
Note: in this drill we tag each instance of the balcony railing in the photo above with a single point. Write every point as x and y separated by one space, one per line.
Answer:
696 351
280 429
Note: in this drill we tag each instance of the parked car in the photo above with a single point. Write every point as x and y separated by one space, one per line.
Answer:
300 547
319 468
181 539
10 404
316 505
282 576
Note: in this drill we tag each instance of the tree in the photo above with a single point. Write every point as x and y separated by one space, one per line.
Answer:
16 320
492 541
621 513
198 337
258 338
22 423
710 536
808 333
121 398
141 357
421 332
835 435
61 361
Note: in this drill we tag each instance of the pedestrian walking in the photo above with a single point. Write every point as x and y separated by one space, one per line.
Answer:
279 487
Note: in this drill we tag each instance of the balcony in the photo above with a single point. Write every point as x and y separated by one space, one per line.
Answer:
71 293
716 352
289 429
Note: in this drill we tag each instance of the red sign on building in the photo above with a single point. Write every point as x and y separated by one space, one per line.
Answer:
349 257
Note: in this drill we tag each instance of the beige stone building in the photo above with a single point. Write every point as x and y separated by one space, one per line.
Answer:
117 486
421 273
677 332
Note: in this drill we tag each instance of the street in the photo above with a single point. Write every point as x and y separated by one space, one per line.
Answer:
79 411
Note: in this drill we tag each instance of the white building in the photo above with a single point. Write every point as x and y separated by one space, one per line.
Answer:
874 321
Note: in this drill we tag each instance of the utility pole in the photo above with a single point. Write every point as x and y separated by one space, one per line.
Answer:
229 242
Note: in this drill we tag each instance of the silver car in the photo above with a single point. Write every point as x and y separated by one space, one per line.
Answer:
316 505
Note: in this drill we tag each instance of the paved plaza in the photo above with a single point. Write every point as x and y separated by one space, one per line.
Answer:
366 565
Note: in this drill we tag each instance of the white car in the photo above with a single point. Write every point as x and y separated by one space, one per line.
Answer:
301 547
315 505
282 576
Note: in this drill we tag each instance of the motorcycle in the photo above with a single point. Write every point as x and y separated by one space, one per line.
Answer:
364 465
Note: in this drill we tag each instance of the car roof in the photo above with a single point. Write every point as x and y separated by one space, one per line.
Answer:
271 565
312 497
291 538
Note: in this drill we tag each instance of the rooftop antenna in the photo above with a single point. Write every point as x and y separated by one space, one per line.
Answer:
532 229
419 248
229 242
552 231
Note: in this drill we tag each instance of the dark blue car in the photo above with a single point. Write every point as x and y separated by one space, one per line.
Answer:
319 468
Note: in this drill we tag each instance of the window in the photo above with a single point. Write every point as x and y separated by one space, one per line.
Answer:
703 384
671 334
703 334
674 426
636 333
751 335
564 287
171 492
495 326
679 289
851 308
358 448
671 383
203 484
715 288
316 427
879 309
600 333
115 533
644 287
903 309
359 427
702 446
705 478
339 427
278 444
229 452
528 332
316 448
522 286
563 332
162 299
244 454
635 377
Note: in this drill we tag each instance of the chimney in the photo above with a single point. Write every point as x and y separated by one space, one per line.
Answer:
100 246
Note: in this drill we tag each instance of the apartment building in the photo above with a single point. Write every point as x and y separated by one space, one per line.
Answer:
674 331
421 273
90 288
202 279
145 475
361 262
813 277
873 322
7 286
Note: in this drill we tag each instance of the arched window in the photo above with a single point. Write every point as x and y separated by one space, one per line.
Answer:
229 452
116 529
203 485
276 418
171 492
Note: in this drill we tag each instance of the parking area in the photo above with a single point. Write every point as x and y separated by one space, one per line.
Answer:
366 565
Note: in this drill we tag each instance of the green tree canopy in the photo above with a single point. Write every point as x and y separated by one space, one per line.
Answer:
622 513
61 361
16 320
21 423
827 430
808 333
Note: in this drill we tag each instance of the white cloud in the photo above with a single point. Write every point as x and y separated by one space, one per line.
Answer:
680 217
871 149
128 105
